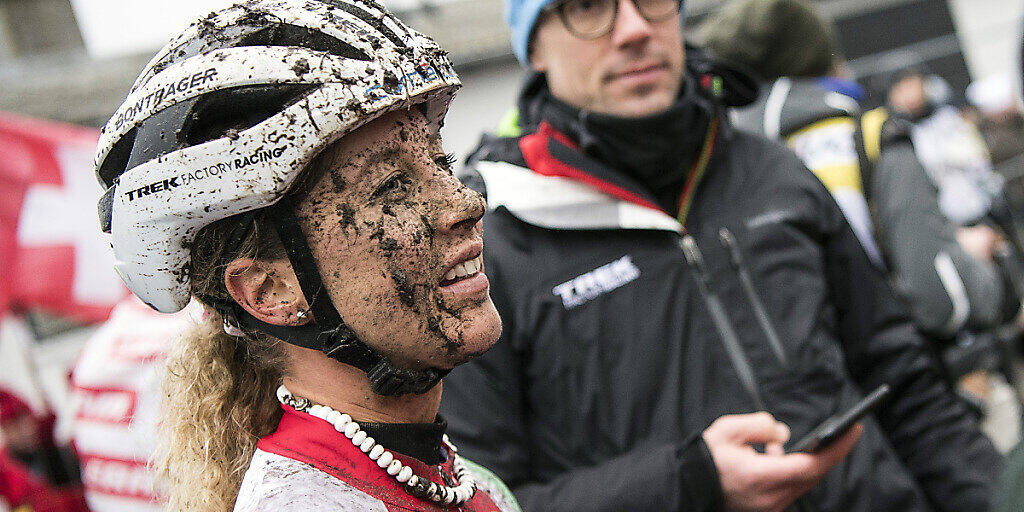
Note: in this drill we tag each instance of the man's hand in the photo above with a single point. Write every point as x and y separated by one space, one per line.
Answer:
979 241
769 482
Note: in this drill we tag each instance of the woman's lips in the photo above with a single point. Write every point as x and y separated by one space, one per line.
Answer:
473 287
464 280
469 254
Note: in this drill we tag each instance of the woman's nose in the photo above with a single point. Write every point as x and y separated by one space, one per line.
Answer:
463 210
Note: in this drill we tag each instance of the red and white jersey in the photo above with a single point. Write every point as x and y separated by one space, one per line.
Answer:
116 398
308 466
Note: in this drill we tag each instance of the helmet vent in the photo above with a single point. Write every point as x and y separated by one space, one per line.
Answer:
221 113
198 120
281 34
117 159
257 31
370 19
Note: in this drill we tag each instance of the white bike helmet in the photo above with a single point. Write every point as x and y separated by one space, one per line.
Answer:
296 75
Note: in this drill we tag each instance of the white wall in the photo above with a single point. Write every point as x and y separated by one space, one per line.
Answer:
117 28
990 32
486 94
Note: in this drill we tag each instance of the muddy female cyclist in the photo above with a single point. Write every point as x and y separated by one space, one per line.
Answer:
279 161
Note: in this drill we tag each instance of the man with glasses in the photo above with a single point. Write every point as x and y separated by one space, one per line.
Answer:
655 270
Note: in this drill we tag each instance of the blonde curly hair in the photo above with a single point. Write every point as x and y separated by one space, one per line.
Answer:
219 389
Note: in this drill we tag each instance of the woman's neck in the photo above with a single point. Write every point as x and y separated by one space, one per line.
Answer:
346 389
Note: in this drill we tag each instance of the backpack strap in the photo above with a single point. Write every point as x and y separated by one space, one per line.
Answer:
868 138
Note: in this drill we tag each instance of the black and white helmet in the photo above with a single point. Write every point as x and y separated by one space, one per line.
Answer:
293 76
310 71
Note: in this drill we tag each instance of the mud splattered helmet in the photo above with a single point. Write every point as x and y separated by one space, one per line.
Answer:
293 77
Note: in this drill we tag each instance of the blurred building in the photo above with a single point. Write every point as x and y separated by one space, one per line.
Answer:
49 70
56 61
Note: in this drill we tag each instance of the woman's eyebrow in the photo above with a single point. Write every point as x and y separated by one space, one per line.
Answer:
376 158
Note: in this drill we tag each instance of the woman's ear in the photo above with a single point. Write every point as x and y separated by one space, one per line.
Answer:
267 290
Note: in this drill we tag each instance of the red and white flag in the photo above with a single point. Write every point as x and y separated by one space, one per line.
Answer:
52 254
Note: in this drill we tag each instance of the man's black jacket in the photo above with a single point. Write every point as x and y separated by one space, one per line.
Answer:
609 365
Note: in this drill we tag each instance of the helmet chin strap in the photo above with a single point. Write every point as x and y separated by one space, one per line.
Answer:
327 332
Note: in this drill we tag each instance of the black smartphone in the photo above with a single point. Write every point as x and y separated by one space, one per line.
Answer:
836 425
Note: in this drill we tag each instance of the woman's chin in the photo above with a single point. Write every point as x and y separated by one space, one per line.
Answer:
479 330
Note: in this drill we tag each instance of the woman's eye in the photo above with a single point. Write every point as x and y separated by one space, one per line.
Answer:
394 188
446 161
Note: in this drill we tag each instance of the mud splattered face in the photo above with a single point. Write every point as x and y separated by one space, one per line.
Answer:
397 240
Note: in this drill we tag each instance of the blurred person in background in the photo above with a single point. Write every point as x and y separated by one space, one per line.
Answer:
1011 483
618 167
304 199
868 163
36 470
951 150
116 397
970 194
995 110
998 117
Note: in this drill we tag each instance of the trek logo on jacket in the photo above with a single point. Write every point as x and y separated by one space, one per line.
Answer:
602 279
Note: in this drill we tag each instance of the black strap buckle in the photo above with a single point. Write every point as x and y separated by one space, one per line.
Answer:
387 380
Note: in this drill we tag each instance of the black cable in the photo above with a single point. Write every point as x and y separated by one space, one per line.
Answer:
733 349
738 264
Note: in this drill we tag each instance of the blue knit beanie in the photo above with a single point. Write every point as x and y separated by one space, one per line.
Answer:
521 17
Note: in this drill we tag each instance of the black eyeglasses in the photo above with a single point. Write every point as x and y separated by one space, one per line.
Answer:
590 19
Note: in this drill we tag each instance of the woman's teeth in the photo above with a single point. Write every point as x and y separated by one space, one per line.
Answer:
466 268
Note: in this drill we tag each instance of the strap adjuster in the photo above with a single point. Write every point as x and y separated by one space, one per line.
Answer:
387 380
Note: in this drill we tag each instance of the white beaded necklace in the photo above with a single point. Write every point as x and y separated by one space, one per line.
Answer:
420 487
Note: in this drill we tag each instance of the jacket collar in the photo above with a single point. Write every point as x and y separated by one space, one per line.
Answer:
551 153
648 156
302 437
561 200
422 441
